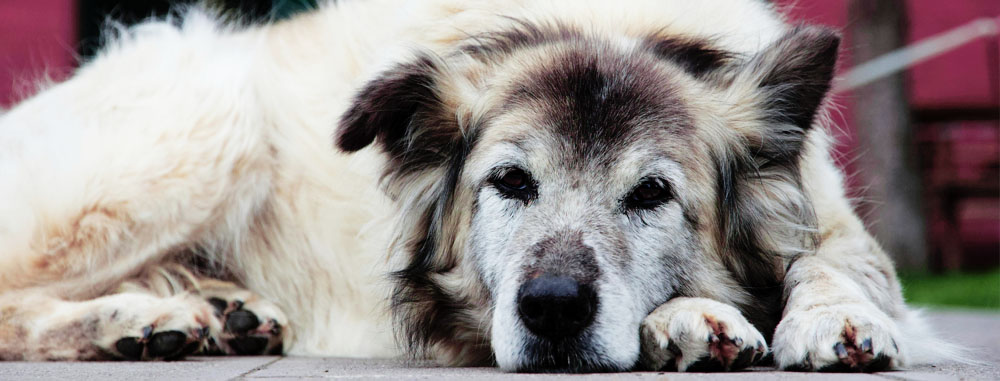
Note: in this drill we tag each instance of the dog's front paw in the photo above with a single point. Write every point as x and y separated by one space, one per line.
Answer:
699 335
252 326
147 327
838 338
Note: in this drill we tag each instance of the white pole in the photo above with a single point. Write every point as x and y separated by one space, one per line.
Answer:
902 58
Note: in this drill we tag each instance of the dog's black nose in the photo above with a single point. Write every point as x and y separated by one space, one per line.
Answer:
556 306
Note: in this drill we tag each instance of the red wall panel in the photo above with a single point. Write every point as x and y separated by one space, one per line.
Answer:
37 39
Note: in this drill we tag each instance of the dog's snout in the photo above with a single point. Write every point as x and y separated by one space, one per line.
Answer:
556 306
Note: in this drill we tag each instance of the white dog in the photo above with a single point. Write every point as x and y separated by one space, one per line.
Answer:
541 185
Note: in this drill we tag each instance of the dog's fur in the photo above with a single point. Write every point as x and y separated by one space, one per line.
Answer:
192 165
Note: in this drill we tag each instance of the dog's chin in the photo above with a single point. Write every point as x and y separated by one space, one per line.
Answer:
573 355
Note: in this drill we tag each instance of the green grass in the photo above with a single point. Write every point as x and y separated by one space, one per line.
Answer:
969 290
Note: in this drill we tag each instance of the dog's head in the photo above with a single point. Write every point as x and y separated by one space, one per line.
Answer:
556 186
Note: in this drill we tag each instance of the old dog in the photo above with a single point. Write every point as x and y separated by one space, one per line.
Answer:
544 185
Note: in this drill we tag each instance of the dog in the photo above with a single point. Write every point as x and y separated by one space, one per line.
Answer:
544 185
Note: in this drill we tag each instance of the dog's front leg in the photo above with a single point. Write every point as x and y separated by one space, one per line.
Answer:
698 335
843 308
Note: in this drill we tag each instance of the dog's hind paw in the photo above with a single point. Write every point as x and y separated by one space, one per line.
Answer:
251 325
147 327
699 335
839 338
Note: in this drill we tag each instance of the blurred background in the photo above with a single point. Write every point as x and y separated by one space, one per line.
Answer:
920 145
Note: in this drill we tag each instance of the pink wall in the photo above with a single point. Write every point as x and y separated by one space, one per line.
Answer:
958 156
963 78
37 38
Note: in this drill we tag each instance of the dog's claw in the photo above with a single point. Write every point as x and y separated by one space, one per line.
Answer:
840 350
866 345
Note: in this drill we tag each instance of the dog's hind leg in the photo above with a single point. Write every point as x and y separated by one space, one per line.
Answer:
165 313
157 145
152 147
35 326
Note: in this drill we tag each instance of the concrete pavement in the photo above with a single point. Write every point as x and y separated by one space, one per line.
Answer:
978 330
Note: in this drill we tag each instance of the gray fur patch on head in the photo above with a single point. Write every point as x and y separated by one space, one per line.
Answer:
564 254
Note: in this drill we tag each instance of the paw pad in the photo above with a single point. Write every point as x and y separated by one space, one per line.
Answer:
856 357
845 341
725 354
243 332
161 345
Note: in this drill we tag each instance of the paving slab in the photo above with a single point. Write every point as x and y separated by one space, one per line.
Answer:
197 368
979 331
343 369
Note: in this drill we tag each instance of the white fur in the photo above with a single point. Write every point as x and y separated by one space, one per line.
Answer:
218 137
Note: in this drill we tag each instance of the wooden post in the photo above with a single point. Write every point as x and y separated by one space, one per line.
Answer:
887 166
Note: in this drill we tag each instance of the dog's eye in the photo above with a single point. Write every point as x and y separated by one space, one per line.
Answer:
515 179
649 194
515 183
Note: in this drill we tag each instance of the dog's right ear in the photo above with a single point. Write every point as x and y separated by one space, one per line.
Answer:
387 110
403 113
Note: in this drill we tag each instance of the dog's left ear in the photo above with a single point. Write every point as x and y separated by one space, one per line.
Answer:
400 105
789 80
776 95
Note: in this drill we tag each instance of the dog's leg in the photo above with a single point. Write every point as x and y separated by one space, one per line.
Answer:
129 325
844 308
697 335
108 172
165 313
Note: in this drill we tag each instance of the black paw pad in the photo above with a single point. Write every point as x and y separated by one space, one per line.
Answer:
248 345
706 364
277 350
839 367
188 349
880 363
219 304
857 358
241 321
726 354
165 344
801 367
746 358
130 348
